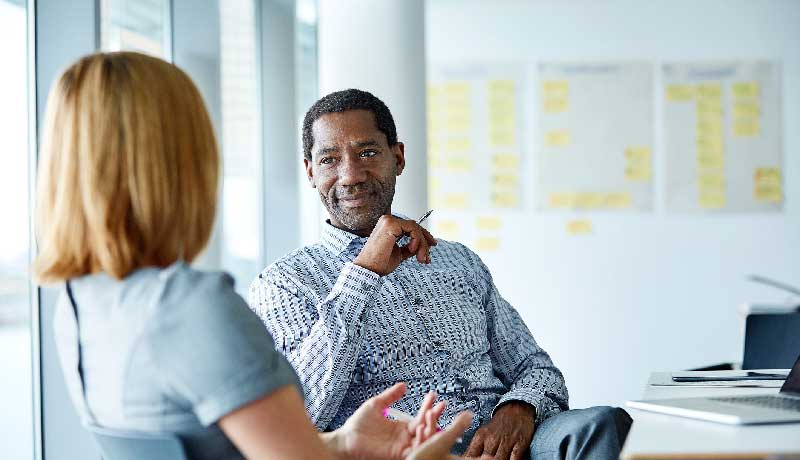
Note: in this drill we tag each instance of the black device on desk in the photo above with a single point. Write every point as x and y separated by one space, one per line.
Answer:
771 340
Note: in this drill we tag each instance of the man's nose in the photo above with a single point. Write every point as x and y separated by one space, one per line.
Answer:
351 171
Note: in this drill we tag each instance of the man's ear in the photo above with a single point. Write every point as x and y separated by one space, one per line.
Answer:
309 172
399 151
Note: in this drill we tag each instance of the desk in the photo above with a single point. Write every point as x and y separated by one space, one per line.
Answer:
665 437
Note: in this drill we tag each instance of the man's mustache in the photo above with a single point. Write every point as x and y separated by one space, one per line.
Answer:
347 191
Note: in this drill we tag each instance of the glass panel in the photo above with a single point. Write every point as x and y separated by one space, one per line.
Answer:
137 25
16 398
241 143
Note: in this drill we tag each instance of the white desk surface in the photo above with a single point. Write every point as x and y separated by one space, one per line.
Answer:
664 436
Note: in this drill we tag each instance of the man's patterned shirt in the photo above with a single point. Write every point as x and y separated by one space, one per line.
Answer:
350 333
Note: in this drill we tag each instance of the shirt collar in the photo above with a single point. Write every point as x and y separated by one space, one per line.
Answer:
340 241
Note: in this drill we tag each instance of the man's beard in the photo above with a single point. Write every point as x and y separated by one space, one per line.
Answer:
361 219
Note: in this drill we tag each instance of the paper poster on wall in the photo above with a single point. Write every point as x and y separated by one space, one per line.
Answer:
594 148
722 129
475 137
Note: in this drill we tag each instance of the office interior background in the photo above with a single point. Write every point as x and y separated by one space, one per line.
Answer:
611 294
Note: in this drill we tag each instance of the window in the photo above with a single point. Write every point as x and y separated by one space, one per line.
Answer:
136 25
241 142
16 398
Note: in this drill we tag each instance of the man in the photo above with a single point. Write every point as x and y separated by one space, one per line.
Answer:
378 300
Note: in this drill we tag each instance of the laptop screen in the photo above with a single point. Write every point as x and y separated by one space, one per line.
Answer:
792 383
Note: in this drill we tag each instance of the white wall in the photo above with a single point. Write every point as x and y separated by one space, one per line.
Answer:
651 291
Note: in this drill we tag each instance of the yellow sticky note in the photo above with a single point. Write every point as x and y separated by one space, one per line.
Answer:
488 223
709 143
555 87
561 200
711 180
458 144
559 138
459 163
768 193
501 108
590 200
502 137
750 109
746 89
455 200
711 126
502 120
710 160
711 200
709 91
638 154
680 93
505 161
638 173
501 86
579 227
447 229
487 243
619 200
746 127
456 88
504 199
768 175
505 180
555 104
709 108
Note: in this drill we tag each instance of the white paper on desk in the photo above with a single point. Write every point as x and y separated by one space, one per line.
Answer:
665 379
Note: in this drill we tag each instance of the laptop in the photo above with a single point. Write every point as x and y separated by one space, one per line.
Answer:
783 407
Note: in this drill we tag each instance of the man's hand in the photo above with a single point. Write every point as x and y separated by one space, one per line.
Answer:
382 255
368 435
508 434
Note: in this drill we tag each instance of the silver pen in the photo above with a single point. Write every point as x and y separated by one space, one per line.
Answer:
419 222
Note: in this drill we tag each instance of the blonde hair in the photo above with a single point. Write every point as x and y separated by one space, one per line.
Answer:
129 169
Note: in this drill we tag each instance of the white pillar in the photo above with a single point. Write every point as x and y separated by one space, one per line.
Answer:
379 46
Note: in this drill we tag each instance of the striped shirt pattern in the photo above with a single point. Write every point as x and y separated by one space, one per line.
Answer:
350 333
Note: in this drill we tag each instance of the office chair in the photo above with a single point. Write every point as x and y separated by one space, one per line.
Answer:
129 445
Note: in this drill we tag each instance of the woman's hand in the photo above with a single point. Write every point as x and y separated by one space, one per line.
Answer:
439 445
368 435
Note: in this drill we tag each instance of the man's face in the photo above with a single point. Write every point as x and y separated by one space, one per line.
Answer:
354 169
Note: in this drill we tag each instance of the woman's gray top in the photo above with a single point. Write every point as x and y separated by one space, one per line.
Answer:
166 350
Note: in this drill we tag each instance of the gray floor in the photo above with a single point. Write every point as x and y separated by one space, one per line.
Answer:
16 400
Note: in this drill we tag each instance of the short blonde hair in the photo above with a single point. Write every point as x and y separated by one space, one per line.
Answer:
128 171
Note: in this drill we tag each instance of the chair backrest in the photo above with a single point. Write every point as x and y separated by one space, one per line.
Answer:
771 340
128 445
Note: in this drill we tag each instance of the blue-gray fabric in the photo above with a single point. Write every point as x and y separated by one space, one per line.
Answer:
596 433
350 333
166 350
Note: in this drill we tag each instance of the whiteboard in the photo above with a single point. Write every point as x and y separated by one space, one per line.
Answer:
723 132
595 137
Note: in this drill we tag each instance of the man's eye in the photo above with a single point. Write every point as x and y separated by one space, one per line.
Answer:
368 153
326 161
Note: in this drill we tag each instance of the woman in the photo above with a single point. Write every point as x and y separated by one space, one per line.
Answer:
127 193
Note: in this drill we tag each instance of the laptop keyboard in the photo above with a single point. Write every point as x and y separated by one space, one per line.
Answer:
772 402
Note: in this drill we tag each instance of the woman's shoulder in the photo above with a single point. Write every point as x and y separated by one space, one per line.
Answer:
197 294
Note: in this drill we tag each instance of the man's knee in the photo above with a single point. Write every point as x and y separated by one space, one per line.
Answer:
607 420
